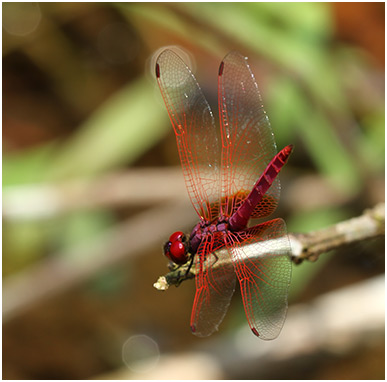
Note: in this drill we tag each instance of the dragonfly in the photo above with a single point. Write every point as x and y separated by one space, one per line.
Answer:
231 176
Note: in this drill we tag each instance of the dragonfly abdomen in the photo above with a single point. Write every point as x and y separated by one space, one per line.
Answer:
241 216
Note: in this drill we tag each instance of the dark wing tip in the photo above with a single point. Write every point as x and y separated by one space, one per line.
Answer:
255 331
221 67
157 70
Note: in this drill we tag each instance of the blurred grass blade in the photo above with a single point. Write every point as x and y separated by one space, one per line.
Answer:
125 127
292 111
121 130
29 166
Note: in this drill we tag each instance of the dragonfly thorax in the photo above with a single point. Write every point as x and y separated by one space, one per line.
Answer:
204 228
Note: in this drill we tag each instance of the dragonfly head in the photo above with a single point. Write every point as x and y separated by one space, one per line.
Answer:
176 248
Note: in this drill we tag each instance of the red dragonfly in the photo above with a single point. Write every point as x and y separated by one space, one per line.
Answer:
221 170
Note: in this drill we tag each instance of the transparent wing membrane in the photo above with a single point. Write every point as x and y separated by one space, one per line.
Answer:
215 286
261 256
195 130
247 138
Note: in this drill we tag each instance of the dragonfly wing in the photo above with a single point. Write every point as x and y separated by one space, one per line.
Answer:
261 256
215 286
247 138
196 134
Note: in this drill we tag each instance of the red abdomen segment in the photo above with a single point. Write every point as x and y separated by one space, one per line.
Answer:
241 216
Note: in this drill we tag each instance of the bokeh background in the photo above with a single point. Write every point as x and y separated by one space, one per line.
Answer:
92 187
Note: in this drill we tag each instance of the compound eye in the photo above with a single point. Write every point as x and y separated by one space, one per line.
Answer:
176 248
177 253
177 236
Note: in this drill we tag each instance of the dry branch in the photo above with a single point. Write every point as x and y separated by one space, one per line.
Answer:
367 226
308 246
129 188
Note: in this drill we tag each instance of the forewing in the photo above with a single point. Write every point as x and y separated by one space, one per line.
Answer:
196 135
215 285
247 138
261 256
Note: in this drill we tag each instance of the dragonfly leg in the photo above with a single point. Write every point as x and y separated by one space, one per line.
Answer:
179 273
187 272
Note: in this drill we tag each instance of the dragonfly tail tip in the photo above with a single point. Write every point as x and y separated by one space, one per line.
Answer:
289 148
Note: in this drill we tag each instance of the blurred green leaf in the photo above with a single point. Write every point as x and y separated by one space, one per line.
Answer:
292 112
282 101
74 228
326 149
306 20
371 145
311 220
127 125
27 241
303 55
23 244
29 166
121 130
142 15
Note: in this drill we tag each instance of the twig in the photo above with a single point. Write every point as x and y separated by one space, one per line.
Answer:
134 187
307 246
311 245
